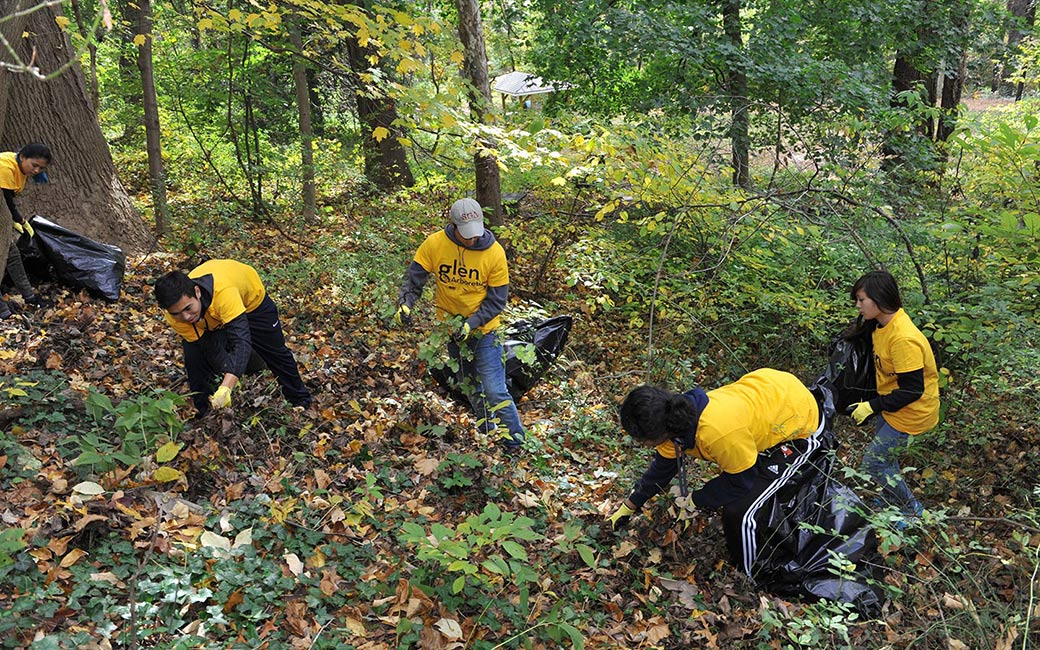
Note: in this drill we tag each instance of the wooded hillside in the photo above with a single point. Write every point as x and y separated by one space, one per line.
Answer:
697 185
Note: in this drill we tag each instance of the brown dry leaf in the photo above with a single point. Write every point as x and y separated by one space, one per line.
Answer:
430 639
86 520
73 556
296 617
322 478
109 577
329 581
54 361
954 644
233 601
355 625
58 545
427 466
658 630
623 549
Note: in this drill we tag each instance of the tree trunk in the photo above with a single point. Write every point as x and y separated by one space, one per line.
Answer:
92 43
303 108
84 194
11 30
737 87
317 114
386 161
156 175
489 184
129 74
1023 15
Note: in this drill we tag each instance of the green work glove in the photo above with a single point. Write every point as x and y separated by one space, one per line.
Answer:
221 399
403 315
861 411
462 334
23 226
620 518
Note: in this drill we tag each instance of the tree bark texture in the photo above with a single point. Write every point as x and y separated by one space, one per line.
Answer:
1023 15
11 30
737 88
386 161
153 141
488 181
303 109
84 193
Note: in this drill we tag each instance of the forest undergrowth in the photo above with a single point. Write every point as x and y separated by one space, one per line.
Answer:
382 519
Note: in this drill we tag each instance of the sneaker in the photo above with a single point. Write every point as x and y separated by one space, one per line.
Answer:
5 311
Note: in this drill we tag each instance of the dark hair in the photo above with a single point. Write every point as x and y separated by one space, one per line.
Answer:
172 287
35 150
653 414
880 287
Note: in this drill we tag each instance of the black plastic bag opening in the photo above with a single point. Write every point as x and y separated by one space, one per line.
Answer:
850 368
530 348
72 259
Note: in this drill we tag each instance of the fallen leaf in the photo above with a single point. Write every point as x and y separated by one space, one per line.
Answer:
53 361
450 628
427 466
295 565
213 540
88 487
73 556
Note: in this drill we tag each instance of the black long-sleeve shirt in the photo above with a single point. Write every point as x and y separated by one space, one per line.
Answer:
911 388
9 199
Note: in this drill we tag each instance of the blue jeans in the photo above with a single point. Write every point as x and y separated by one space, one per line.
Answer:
879 460
482 376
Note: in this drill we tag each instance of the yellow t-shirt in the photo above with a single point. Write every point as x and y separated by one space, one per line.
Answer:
237 290
463 275
901 347
760 410
11 176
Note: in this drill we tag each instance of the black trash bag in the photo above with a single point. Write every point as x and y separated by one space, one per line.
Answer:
545 339
73 259
850 368
790 536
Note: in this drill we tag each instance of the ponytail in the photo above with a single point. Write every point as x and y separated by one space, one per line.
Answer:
653 414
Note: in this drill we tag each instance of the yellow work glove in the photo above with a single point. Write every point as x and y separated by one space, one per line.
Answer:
462 334
221 399
403 315
23 226
861 411
621 516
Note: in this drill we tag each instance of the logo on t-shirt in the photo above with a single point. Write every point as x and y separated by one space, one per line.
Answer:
458 273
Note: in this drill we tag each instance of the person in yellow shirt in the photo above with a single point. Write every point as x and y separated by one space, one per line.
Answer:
730 426
15 169
229 325
907 385
472 279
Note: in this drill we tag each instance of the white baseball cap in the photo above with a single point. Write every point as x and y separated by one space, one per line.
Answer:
468 218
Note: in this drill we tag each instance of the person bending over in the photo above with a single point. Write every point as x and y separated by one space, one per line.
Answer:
728 427
227 322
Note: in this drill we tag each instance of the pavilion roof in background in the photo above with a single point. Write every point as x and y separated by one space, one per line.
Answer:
523 84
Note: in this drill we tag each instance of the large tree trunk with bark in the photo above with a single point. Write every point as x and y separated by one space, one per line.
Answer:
156 173
471 33
386 161
737 89
84 193
303 109
11 30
